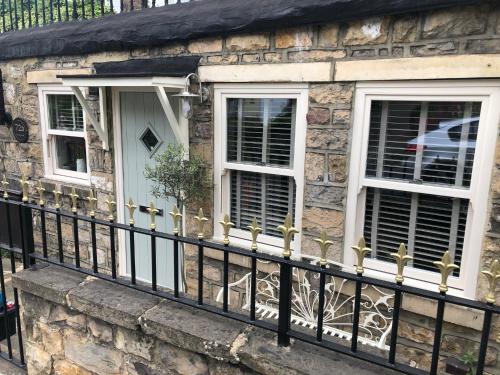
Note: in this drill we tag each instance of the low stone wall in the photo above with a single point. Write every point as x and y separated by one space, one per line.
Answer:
82 325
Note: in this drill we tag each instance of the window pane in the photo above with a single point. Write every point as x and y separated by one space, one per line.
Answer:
429 225
70 153
424 142
268 198
260 131
65 113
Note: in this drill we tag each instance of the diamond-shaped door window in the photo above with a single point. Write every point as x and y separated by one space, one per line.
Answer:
150 139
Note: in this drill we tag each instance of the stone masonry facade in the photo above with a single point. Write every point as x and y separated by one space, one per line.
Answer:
455 31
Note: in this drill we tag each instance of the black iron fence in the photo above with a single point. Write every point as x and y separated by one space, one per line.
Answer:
286 267
22 14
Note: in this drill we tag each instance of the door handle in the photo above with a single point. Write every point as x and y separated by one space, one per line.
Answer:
144 209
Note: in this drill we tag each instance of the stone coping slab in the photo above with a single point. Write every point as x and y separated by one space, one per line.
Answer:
186 327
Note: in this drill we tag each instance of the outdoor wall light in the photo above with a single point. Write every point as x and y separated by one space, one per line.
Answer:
186 95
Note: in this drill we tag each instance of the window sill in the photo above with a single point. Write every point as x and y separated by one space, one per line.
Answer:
66 180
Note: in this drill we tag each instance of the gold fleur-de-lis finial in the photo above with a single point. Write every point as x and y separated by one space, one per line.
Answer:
153 211
111 208
57 198
226 227
176 218
201 219
92 201
324 244
493 275
401 258
446 267
74 198
288 231
361 250
254 230
25 187
131 209
41 191
5 186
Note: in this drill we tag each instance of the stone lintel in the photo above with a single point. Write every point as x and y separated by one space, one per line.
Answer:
186 327
436 67
50 75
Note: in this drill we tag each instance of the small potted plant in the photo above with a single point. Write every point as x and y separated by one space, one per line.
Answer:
176 175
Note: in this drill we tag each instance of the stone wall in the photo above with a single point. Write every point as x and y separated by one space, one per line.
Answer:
455 31
78 325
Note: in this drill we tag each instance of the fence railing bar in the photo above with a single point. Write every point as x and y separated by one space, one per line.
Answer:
101 4
59 16
153 261
84 16
395 326
437 337
51 8
285 304
3 16
66 9
10 16
59 236
176 267
29 14
200 273
44 233
483 348
15 15
111 7
357 308
36 13
22 14
44 19
132 255
5 312
94 246
321 305
76 242
225 282
75 13
253 287
112 247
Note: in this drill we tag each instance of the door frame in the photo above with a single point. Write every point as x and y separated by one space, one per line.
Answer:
118 164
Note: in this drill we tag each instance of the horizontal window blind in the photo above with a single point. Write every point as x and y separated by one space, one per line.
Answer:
429 225
260 131
65 113
425 142
267 197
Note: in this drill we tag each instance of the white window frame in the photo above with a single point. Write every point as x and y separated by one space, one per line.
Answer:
222 197
48 140
486 91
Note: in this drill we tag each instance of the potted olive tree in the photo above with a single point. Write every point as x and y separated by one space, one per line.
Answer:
175 175
185 179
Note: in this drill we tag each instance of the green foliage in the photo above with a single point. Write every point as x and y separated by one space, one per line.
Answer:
28 10
469 359
174 176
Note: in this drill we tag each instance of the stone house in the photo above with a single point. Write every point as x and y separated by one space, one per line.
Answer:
375 120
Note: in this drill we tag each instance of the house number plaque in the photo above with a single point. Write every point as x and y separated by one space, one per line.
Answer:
20 130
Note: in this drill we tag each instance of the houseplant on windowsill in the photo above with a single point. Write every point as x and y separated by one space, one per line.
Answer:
175 175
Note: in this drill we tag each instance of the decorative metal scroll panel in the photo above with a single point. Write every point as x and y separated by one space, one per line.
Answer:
375 315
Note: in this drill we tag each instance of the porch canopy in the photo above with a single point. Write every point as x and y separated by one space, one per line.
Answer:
162 74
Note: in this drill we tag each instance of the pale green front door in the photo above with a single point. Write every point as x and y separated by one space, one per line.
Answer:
145 133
